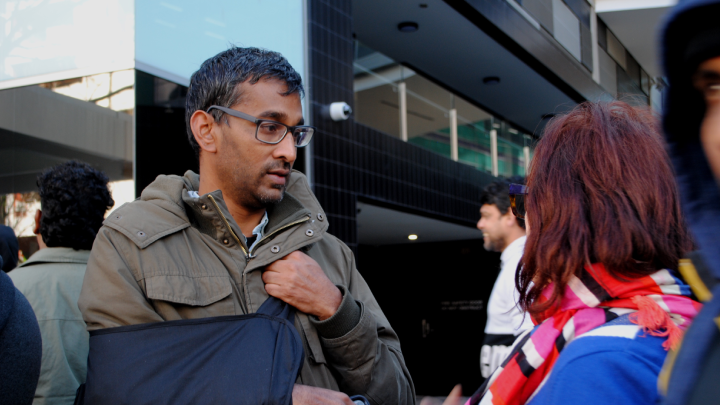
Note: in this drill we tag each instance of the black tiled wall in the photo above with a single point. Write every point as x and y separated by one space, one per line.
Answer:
353 161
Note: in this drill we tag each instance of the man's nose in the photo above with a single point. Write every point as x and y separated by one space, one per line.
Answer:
286 149
480 225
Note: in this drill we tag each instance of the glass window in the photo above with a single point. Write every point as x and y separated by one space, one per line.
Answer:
113 90
511 153
566 28
428 116
474 127
378 86
616 50
376 90
173 37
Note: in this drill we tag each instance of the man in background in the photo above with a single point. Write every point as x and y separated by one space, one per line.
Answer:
74 198
502 232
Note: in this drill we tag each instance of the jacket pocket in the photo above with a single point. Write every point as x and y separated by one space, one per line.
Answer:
194 291
312 339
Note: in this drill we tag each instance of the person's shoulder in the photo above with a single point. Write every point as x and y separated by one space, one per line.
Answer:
331 247
609 364
144 222
617 341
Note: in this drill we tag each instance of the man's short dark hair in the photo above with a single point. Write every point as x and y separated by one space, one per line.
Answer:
74 198
496 193
217 80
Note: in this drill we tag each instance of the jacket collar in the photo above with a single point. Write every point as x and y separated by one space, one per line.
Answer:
287 211
58 255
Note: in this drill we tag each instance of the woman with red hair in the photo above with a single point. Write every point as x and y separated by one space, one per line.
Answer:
598 276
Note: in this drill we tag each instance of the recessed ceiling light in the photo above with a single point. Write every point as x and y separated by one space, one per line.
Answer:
490 80
408 26
412 237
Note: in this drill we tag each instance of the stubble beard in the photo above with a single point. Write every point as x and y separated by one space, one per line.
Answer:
247 186
492 244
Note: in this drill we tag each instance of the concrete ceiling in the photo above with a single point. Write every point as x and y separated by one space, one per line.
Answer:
383 226
637 29
453 51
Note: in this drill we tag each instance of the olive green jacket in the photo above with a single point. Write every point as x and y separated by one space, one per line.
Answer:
169 256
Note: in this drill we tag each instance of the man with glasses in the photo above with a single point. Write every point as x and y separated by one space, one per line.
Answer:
246 228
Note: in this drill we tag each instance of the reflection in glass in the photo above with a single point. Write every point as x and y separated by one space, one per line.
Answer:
378 84
113 90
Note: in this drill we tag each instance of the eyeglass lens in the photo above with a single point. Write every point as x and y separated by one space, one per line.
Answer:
517 204
302 136
271 132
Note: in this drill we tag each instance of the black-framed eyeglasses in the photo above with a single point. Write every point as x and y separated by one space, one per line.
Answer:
269 131
517 199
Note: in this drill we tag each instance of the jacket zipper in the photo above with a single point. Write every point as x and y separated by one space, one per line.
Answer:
227 224
248 255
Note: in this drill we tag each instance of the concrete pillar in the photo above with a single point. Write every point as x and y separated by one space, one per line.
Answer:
402 103
526 153
453 135
494 151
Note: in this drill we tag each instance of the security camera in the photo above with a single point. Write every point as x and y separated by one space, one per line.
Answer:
337 111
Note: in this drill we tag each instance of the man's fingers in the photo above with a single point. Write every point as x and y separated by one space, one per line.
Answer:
455 396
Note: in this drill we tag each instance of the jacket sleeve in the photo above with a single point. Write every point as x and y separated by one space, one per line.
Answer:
111 294
368 358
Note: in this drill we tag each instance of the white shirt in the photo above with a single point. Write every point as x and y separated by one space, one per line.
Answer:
504 316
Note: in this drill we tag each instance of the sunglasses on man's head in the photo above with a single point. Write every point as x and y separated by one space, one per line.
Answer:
517 199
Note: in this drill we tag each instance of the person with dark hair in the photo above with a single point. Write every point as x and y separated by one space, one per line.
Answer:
599 271
502 232
691 59
245 229
73 200
9 248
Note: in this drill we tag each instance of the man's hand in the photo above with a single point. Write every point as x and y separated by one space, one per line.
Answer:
298 280
304 394
455 398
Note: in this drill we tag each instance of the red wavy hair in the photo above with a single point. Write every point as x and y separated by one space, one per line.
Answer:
601 190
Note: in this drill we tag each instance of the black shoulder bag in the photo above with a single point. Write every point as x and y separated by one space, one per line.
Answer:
244 359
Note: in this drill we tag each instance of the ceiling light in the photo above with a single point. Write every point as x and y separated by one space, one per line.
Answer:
408 26
491 80
412 237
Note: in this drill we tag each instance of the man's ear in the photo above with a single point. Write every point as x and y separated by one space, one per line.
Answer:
38 216
204 129
509 217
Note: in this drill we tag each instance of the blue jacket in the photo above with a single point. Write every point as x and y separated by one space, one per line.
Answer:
20 345
615 363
